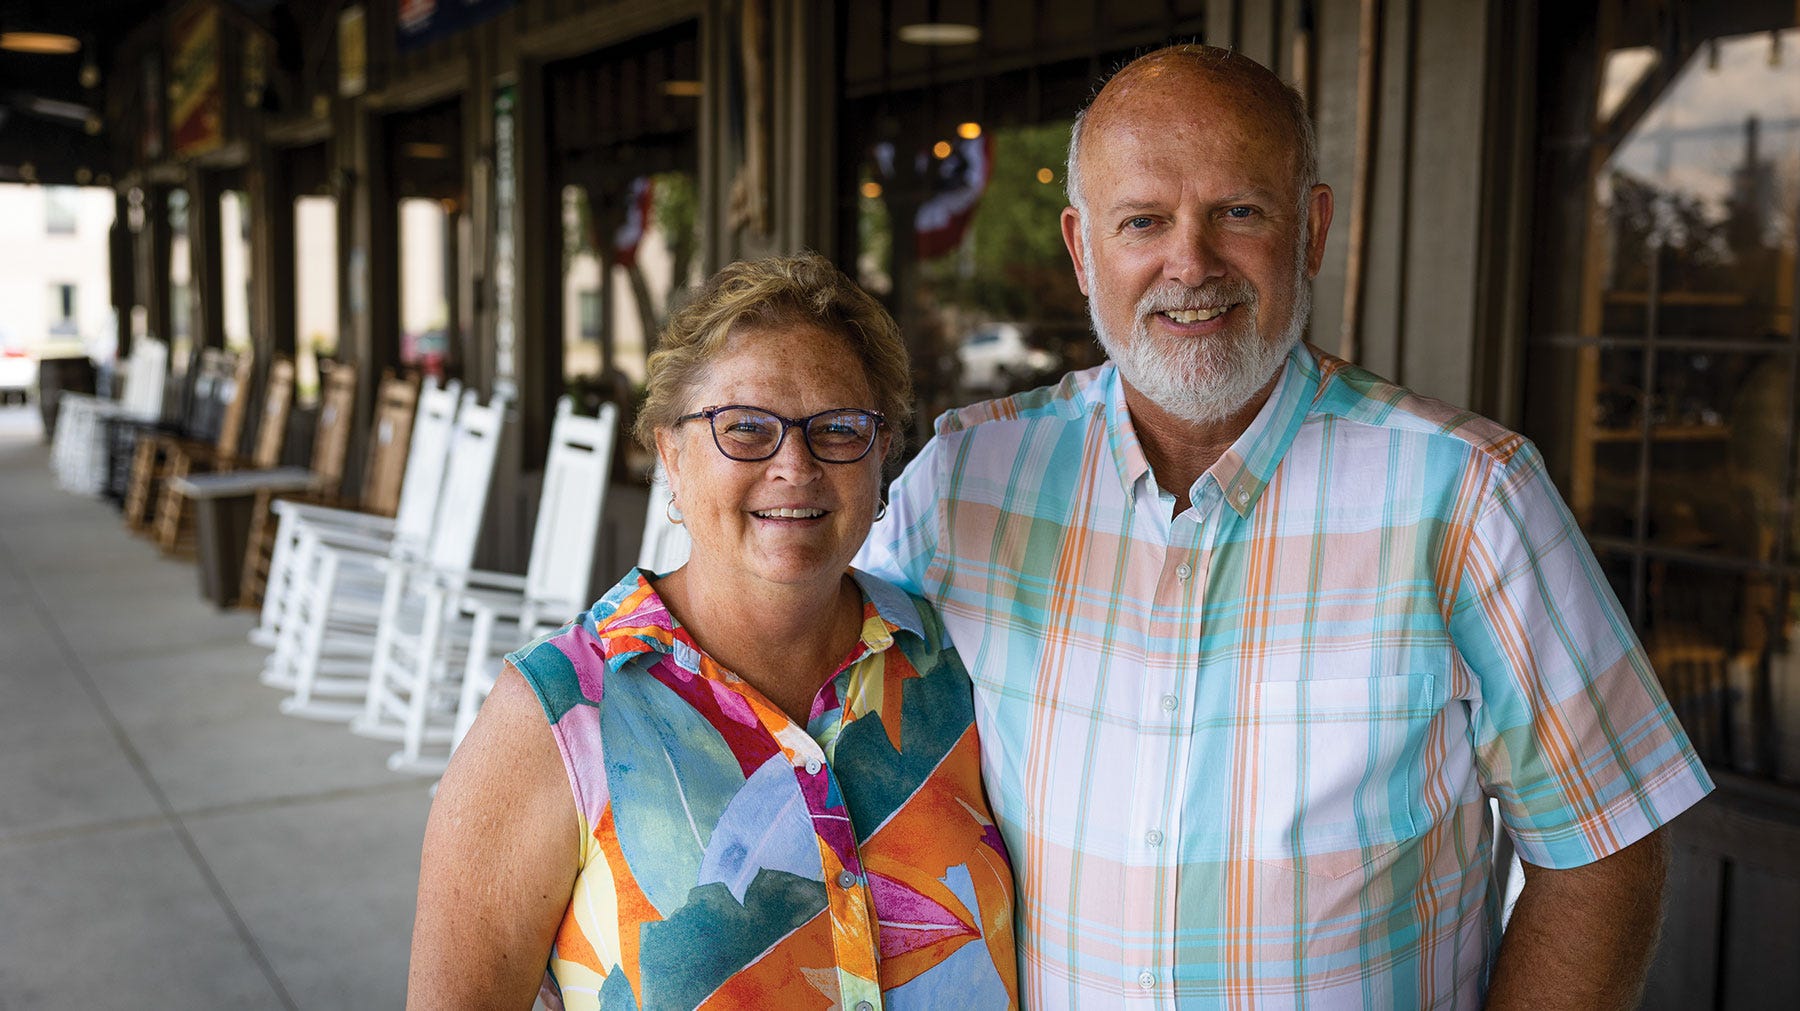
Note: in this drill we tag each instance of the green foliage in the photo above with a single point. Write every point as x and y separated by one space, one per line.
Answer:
1013 264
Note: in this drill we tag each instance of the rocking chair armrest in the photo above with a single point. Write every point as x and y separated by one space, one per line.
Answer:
311 515
514 608
349 543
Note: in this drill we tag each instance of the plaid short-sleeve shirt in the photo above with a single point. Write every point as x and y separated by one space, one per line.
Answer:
1243 754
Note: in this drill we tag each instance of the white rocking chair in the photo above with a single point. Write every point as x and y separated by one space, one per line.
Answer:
78 449
664 549
411 524
334 615
415 681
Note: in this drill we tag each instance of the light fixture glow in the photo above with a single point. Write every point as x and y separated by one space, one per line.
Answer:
1044 175
940 33
941 149
683 89
968 131
42 43
871 189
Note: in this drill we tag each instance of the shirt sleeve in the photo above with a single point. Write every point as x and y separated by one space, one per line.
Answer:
901 545
1573 734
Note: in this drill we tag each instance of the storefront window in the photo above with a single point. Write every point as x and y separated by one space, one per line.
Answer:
954 147
315 289
234 265
1662 364
629 258
425 284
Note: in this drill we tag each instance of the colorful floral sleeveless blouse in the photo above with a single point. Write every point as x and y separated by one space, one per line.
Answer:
731 858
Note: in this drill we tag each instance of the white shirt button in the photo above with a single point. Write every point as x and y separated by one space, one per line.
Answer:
1169 702
812 767
1153 837
1146 979
846 879
1243 496
1183 571
863 1005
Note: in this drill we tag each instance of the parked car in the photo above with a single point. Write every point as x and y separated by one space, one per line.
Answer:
996 356
18 374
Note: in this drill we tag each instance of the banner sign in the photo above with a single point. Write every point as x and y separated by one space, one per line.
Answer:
426 21
506 182
196 100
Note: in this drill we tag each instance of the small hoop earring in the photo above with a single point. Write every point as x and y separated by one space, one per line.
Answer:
673 513
880 509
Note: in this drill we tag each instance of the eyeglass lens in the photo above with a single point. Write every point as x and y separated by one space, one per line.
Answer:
835 436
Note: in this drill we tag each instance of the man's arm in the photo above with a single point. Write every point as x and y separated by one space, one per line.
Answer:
1583 937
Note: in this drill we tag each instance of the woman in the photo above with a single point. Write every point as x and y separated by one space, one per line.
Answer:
753 781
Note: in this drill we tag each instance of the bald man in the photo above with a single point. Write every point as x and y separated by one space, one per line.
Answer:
1256 634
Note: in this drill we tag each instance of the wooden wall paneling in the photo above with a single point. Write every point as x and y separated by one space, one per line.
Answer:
1387 279
806 180
156 246
1445 197
715 147
272 251
1683 976
1333 105
1256 32
1503 261
1223 21
1761 968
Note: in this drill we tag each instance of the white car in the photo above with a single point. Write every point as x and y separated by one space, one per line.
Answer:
993 355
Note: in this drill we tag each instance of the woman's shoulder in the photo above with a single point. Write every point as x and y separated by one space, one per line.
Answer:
568 667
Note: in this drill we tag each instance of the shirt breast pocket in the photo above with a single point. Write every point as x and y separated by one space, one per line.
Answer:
1337 769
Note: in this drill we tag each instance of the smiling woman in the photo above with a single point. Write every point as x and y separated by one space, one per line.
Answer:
768 759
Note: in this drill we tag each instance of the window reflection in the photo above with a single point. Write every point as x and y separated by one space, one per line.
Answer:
957 227
1666 327
315 289
630 256
234 265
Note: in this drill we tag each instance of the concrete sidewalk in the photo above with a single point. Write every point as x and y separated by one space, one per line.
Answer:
168 839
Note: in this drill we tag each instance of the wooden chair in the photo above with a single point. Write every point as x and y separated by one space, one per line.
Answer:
415 680
174 513
331 444
341 583
206 417
426 442
520 619
226 500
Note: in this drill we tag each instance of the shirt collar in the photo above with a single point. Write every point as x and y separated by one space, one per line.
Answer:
632 619
1249 464
1247 467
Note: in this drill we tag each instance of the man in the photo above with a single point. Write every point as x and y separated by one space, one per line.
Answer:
1255 634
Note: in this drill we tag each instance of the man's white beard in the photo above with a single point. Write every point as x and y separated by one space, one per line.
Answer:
1202 381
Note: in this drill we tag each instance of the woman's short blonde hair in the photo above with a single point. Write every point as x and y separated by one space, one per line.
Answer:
773 292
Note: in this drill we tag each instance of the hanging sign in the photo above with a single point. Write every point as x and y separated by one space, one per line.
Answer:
424 21
196 100
353 52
